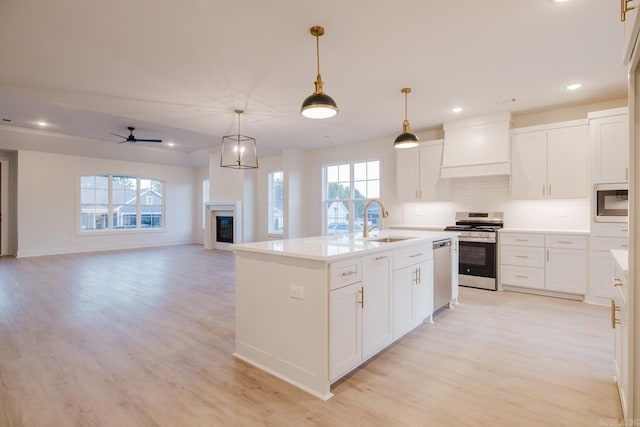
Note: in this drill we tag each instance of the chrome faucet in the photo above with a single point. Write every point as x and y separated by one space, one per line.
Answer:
385 213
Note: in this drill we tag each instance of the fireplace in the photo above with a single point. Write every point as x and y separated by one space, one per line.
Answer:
224 229
223 225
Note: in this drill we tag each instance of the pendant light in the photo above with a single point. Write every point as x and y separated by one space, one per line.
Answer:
406 139
238 151
318 105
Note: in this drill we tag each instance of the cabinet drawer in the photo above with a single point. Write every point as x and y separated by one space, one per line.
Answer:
522 256
345 273
610 229
528 277
411 255
566 241
522 239
608 243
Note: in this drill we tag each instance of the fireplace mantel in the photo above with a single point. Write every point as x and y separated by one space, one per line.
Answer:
212 209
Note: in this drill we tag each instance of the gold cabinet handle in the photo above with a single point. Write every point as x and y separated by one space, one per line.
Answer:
521 240
522 277
626 174
348 273
415 255
547 254
378 258
614 308
617 282
565 242
624 8
361 292
624 246
521 256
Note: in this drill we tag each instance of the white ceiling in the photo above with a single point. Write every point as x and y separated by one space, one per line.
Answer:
176 70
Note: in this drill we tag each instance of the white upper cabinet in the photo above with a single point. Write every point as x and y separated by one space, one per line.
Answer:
550 162
477 147
609 138
418 174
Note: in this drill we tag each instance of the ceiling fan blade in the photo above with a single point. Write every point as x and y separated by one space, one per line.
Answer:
118 135
148 140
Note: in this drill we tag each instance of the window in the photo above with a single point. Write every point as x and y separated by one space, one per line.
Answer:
205 199
347 189
276 214
121 202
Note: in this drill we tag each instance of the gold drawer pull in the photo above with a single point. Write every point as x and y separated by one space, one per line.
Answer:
521 240
521 256
418 254
624 246
522 277
625 230
378 258
566 242
617 282
348 273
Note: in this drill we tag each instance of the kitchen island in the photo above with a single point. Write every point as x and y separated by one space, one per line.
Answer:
310 310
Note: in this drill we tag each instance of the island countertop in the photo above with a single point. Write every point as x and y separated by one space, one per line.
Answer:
330 248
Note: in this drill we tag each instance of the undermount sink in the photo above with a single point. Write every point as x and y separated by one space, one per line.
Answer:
390 239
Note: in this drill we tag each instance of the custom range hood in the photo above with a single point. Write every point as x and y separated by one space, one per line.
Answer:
478 146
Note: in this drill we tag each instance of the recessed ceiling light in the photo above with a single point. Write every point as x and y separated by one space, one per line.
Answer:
559 1
171 144
43 124
574 86
456 109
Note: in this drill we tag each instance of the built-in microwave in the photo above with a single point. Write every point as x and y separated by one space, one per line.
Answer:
612 203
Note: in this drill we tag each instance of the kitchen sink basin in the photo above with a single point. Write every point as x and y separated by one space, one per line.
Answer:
390 239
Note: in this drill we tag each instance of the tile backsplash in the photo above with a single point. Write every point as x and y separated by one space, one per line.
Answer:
491 193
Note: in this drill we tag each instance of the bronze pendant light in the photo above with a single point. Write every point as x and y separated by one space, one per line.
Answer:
318 105
406 139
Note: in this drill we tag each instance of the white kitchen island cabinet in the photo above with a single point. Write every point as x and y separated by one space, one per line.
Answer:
310 310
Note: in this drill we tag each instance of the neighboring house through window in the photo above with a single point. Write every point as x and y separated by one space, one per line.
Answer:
347 188
120 202
276 213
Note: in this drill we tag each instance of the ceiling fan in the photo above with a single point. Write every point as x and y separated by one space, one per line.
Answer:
132 139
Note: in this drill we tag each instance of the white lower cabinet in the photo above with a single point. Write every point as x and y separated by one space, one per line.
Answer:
360 313
605 237
547 262
620 323
412 288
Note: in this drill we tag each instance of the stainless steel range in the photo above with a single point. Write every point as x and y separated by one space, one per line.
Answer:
478 248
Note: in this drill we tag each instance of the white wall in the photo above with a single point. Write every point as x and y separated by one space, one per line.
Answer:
198 211
48 204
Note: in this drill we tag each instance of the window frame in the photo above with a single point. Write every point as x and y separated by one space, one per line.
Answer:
270 205
111 207
352 200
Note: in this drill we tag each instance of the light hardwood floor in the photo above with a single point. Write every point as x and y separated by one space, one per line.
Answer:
145 337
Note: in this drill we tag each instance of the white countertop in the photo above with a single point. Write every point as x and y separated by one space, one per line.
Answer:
622 258
330 248
543 231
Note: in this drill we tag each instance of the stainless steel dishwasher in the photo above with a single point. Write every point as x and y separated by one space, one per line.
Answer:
441 274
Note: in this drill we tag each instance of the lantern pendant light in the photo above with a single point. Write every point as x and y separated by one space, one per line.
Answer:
318 105
238 151
406 139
